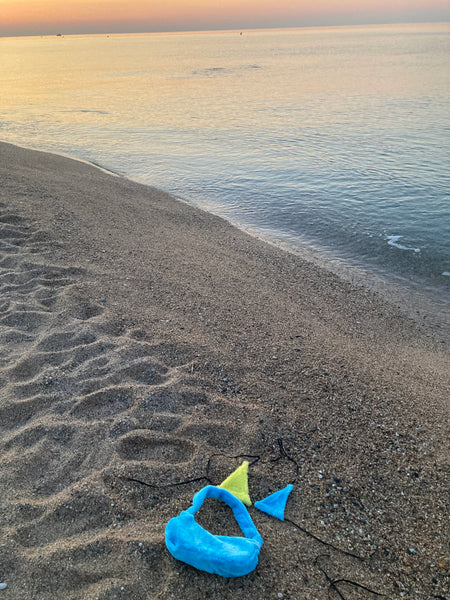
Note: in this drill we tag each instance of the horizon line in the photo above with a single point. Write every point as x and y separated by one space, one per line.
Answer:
222 29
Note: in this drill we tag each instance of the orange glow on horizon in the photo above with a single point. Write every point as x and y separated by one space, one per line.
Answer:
48 15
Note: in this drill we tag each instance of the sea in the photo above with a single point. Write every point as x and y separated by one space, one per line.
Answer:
332 142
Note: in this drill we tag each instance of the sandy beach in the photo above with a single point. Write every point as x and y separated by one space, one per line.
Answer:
147 348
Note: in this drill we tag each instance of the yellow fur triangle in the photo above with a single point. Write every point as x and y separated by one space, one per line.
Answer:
237 483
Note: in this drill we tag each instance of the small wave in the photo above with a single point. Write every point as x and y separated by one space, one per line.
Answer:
393 239
210 72
215 71
97 112
86 110
446 273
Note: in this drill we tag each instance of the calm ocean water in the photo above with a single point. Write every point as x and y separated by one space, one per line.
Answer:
334 138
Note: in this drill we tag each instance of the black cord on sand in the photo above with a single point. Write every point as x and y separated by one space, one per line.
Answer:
284 454
314 537
333 582
255 458
197 479
154 485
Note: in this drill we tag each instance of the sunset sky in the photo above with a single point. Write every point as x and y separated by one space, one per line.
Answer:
37 17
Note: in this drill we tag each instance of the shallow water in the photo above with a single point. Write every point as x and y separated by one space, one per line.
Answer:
336 138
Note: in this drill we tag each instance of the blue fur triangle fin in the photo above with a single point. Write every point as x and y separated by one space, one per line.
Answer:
275 504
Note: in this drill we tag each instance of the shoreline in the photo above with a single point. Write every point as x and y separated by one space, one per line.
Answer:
428 309
145 340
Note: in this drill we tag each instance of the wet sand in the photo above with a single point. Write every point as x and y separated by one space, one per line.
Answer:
145 344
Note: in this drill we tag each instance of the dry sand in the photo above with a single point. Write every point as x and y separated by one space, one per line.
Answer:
143 339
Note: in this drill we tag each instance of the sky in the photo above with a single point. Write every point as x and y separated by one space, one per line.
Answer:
41 17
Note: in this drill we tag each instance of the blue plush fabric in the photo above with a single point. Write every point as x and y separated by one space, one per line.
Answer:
275 503
229 556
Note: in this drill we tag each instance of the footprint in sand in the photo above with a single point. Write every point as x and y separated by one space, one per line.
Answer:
15 413
156 422
145 372
31 366
83 310
32 435
65 340
25 320
216 435
11 219
170 401
104 403
83 512
143 446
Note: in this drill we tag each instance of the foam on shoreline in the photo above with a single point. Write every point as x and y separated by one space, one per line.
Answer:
393 241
